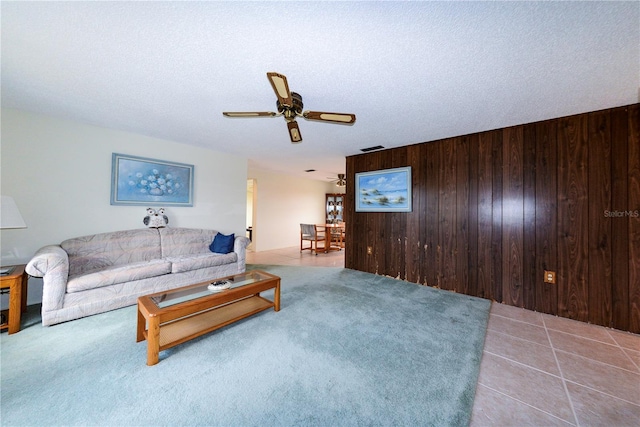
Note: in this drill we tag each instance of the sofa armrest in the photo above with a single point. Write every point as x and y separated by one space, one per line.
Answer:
240 247
52 264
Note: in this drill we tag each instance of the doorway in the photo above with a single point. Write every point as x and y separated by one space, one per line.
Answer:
252 197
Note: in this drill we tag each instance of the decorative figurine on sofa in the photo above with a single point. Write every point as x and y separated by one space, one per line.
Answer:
155 219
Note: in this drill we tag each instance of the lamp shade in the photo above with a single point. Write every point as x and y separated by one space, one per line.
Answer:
9 214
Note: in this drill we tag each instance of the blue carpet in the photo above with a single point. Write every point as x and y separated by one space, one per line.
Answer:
347 348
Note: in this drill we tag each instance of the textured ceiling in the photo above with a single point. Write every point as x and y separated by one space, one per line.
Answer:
410 71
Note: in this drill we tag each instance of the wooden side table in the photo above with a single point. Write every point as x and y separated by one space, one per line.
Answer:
16 282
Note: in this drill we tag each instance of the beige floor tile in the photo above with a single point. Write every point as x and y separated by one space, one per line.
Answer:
570 326
518 329
605 353
626 339
293 256
540 390
526 352
596 409
495 409
599 376
634 356
516 313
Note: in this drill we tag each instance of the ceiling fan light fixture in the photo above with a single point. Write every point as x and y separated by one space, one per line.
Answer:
291 111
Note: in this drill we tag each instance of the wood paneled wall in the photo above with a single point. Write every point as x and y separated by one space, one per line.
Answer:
493 210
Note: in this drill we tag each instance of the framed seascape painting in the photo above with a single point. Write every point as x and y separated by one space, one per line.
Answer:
142 181
387 190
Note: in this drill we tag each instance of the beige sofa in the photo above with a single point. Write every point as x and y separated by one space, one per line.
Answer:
101 272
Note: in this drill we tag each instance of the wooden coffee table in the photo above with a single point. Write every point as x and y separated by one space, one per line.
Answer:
166 319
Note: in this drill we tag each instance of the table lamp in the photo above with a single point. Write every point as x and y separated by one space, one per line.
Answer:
9 218
9 214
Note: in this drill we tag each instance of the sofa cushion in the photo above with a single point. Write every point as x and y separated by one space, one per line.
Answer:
177 242
98 251
198 261
222 244
118 274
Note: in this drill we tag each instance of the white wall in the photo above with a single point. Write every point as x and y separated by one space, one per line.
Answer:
283 203
59 173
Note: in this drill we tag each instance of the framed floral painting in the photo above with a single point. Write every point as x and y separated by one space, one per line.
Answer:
142 181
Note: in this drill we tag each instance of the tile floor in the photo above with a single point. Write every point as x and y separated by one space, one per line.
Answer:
292 256
537 369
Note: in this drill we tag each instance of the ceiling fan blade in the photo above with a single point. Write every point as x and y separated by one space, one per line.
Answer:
294 132
249 113
281 88
329 117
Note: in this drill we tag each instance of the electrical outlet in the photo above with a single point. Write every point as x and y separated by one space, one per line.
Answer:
549 276
369 250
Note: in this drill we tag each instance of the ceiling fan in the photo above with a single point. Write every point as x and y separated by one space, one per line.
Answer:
340 182
289 105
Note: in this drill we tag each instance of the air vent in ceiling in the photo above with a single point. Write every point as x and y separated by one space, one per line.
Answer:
310 170
366 150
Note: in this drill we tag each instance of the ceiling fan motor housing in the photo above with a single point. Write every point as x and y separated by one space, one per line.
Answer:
291 111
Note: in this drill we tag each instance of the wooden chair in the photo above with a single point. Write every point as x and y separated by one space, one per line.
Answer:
310 233
336 240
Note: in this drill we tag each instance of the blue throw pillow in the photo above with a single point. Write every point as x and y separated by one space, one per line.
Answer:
222 244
